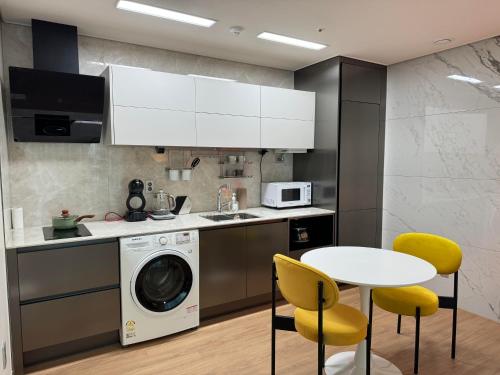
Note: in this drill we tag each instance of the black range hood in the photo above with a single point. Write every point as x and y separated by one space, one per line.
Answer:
52 102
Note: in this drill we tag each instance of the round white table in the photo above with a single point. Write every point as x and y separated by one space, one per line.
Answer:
368 268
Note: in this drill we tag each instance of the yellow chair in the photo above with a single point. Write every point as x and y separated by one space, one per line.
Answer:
418 301
317 317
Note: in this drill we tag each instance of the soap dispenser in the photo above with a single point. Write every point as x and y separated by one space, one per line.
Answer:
234 203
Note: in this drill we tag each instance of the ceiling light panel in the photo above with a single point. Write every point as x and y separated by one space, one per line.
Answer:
290 41
150 10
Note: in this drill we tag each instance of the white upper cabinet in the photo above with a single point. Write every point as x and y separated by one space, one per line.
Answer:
214 130
135 87
149 108
153 127
227 98
287 103
287 134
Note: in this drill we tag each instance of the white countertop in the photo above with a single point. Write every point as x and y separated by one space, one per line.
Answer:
33 236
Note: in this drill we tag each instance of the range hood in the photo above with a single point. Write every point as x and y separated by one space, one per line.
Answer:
52 102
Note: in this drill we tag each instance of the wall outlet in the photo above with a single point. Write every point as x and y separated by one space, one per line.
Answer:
149 187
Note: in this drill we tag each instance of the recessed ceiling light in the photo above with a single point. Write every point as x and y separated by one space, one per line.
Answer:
210 77
464 78
149 10
291 41
440 42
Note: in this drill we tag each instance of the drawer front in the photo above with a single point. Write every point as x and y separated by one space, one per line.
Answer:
227 131
152 127
67 319
287 104
47 273
149 89
282 133
227 98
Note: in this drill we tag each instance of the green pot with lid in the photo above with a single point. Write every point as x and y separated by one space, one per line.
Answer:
67 221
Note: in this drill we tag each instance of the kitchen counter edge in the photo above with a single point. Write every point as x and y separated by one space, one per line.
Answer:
101 230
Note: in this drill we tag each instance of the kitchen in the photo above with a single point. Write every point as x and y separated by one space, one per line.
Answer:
232 154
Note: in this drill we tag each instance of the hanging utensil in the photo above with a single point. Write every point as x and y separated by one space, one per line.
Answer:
195 162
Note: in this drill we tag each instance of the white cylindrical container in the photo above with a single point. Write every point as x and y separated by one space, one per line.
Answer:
173 174
17 218
186 174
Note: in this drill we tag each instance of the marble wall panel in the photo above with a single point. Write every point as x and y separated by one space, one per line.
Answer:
421 87
442 163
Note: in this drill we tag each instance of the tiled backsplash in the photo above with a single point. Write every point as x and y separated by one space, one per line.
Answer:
93 178
442 162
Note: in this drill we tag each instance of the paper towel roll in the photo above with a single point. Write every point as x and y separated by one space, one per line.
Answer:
17 218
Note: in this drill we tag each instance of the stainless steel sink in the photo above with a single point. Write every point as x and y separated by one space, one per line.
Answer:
223 217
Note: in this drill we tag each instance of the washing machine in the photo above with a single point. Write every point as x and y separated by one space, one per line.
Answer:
159 285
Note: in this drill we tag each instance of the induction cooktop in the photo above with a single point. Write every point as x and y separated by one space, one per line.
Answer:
49 233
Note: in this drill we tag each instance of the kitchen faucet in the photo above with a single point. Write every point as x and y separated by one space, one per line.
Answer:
220 205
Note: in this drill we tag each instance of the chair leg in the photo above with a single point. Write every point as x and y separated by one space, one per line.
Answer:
417 340
454 334
273 351
369 337
320 358
399 324
454 328
321 353
273 328
324 354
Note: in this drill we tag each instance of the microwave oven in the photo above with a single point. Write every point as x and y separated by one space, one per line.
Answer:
286 194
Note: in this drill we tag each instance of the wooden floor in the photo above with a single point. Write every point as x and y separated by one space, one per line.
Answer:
241 346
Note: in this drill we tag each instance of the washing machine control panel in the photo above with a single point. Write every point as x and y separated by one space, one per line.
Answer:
178 238
181 238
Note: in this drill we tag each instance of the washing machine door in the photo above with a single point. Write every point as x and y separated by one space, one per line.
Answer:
162 281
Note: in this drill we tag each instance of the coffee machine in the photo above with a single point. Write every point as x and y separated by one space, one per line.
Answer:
136 201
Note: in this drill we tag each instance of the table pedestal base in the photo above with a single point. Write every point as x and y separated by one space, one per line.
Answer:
343 364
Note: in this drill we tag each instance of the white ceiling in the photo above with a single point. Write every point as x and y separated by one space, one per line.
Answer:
383 31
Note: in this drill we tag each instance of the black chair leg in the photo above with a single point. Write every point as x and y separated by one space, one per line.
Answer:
369 337
417 340
273 328
273 351
321 346
399 324
320 359
324 355
454 334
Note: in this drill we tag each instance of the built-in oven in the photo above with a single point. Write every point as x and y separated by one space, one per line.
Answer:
286 194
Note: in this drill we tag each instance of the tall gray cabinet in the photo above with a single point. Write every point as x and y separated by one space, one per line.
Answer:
346 165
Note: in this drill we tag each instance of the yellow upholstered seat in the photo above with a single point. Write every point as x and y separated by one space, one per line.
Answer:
342 325
405 300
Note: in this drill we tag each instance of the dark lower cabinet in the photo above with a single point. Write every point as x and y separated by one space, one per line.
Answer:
235 264
222 266
67 319
63 299
263 241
